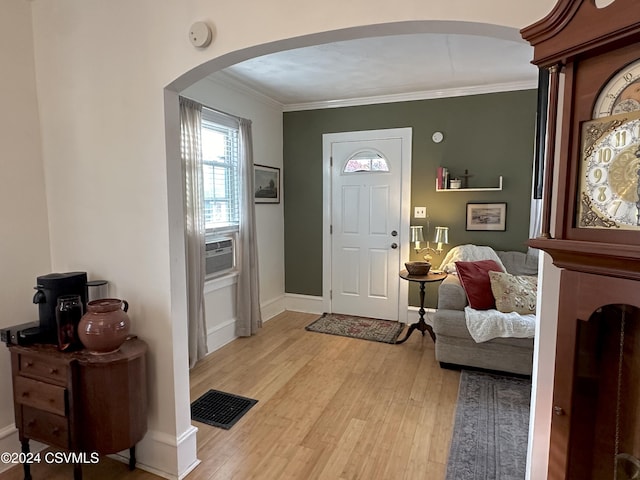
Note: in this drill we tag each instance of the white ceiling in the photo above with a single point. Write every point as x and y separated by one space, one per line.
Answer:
428 64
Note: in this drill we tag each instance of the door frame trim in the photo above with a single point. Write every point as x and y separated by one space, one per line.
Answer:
405 136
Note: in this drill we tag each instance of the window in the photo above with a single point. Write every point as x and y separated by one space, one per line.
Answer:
366 161
221 171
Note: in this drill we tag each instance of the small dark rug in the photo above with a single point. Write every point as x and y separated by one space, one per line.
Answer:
373 329
220 409
491 427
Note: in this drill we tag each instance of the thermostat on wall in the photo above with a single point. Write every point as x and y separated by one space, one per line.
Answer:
437 137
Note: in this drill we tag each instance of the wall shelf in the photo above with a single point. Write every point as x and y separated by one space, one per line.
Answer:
488 189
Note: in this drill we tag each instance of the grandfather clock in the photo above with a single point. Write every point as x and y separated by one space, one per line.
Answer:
592 183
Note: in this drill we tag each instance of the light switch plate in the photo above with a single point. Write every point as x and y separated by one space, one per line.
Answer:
420 212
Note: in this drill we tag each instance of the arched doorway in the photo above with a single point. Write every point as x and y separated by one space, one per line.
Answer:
174 179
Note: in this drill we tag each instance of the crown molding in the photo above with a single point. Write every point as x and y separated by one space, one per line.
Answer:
413 96
224 79
231 82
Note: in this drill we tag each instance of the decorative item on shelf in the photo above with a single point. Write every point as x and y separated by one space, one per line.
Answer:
465 178
105 326
418 267
442 178
455 183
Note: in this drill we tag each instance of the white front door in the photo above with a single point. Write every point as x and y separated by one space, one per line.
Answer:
367 231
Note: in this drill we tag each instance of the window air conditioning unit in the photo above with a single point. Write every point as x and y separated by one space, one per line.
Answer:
219 256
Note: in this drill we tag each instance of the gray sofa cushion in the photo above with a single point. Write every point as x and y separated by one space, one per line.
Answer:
518 263
451 295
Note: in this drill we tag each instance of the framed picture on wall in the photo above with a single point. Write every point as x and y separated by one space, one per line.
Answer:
266 184
487 216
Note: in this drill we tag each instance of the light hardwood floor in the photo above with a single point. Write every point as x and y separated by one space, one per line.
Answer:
328 407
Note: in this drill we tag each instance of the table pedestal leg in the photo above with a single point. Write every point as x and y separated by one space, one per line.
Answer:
421 324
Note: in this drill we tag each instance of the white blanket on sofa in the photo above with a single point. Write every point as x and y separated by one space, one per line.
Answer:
484 325
469 253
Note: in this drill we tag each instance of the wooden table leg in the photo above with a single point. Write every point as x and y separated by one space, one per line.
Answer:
421 324
132 458
77 471
26 466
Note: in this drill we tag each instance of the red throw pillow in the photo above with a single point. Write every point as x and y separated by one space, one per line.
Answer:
474 277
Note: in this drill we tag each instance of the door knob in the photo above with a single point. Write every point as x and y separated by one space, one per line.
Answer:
394 233
394 245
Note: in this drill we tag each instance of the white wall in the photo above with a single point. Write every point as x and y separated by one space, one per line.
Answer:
543 370
222 93
110 140
24 232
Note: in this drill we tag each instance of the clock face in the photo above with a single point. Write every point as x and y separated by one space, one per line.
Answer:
621 94
610 173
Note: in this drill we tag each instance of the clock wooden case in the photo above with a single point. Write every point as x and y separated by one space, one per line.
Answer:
591 229
586 47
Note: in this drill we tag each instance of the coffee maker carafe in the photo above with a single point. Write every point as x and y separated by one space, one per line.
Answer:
49 288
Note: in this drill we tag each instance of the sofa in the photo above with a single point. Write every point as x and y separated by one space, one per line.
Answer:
454 344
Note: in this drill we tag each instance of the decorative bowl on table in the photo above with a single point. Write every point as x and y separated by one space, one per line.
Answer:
417 267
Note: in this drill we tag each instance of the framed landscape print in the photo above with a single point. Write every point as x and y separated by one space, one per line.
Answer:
266 184
487 216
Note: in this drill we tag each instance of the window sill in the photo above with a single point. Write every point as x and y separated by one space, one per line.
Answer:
221 281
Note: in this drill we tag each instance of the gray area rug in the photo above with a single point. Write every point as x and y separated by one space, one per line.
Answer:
491 427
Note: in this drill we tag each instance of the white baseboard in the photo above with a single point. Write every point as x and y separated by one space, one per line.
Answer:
164 455
220 335
303 303
272 308
9 442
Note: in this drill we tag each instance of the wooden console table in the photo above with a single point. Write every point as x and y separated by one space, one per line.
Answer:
79 401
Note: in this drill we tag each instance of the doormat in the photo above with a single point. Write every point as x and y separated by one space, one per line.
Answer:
490 432
376 330
220 409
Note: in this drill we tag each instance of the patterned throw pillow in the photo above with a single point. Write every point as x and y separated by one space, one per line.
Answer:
514 293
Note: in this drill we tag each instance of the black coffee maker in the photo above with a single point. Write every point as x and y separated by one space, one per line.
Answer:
48 288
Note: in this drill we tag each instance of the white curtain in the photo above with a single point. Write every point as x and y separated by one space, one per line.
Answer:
248 315
535 221
191 152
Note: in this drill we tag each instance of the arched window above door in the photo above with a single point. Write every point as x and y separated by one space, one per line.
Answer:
366 161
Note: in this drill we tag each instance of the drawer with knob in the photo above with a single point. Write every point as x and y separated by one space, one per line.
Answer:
47 369
45 396
46 427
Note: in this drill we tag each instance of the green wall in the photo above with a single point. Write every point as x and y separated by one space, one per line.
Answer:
489 135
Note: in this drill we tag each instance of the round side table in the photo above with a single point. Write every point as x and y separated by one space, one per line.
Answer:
422 280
